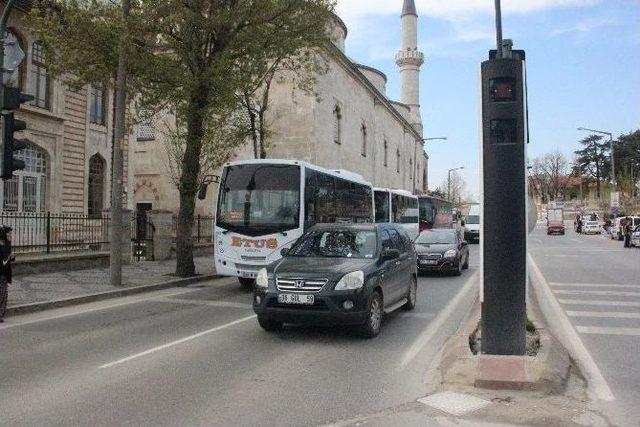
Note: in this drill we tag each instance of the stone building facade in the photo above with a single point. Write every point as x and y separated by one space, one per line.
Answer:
346 122
68 159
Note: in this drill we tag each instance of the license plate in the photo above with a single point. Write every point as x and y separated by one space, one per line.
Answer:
295 299
428 262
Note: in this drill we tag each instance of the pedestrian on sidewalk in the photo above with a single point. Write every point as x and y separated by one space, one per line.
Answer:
6 259
628 225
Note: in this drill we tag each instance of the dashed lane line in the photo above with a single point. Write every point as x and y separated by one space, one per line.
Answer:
598 330
599 303
604 314
210 303
592 285
177 342
598 293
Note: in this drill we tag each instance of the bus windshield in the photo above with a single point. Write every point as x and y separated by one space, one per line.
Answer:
473 219
427 210
259 199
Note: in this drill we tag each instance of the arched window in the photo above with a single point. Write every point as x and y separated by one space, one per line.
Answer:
39 81
95 199
398 160
17 78
363 149
27 190
337 124
386 153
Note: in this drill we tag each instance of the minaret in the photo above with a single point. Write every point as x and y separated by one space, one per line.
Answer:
409 59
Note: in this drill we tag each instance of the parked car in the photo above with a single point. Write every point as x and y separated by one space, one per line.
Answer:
442 250
635 237
339 274
472 225
591 227
617 232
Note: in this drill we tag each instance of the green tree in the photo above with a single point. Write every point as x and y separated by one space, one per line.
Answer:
627 157
193 57
593 160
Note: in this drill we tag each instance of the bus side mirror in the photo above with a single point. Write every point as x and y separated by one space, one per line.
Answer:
202 192
284 251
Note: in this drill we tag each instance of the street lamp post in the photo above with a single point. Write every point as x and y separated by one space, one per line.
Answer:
613 162
449 181
415 161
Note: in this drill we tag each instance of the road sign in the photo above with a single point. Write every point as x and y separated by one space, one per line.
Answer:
13 56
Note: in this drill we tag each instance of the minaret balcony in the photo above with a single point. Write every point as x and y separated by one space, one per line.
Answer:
410 57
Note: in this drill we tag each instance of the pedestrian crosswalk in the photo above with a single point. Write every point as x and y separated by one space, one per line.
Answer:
601 309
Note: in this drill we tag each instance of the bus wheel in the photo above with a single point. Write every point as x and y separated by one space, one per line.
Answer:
246 283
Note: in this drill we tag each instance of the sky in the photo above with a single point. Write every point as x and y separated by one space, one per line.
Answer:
583 68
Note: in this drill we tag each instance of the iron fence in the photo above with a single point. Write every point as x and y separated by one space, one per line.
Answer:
48 232
202 229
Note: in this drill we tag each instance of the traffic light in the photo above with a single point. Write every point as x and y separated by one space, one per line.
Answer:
12 100
504 220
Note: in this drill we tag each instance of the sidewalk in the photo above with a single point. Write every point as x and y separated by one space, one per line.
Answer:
48 287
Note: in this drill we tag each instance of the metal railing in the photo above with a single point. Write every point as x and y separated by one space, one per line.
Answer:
202 230
46 232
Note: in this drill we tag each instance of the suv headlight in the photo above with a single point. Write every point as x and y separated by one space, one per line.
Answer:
350 281
451 253
262 279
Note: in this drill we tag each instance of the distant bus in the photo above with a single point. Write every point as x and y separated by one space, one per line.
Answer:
397 206
266 205
433 210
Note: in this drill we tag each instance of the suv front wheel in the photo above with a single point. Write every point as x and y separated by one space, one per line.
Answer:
371 327
269 325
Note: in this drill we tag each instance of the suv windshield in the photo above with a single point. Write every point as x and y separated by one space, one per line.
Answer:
473 219
259 199
436 237
336 244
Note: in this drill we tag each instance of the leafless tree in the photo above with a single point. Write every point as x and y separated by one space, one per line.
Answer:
550 175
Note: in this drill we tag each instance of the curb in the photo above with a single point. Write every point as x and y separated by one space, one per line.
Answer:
100 296
447 322
558 322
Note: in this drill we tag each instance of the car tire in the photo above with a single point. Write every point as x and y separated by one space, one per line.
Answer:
458 270
411 294
371 327
269 325
465 266
246 283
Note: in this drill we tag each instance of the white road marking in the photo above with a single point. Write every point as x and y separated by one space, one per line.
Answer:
560 256
60 313
604 314
592 285
177 342
437 323
597 330
210 303
599 293
599 303
564 330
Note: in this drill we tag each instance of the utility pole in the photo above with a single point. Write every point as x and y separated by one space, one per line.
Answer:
115 258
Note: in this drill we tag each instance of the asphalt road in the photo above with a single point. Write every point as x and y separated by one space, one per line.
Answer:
597 283
196 356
